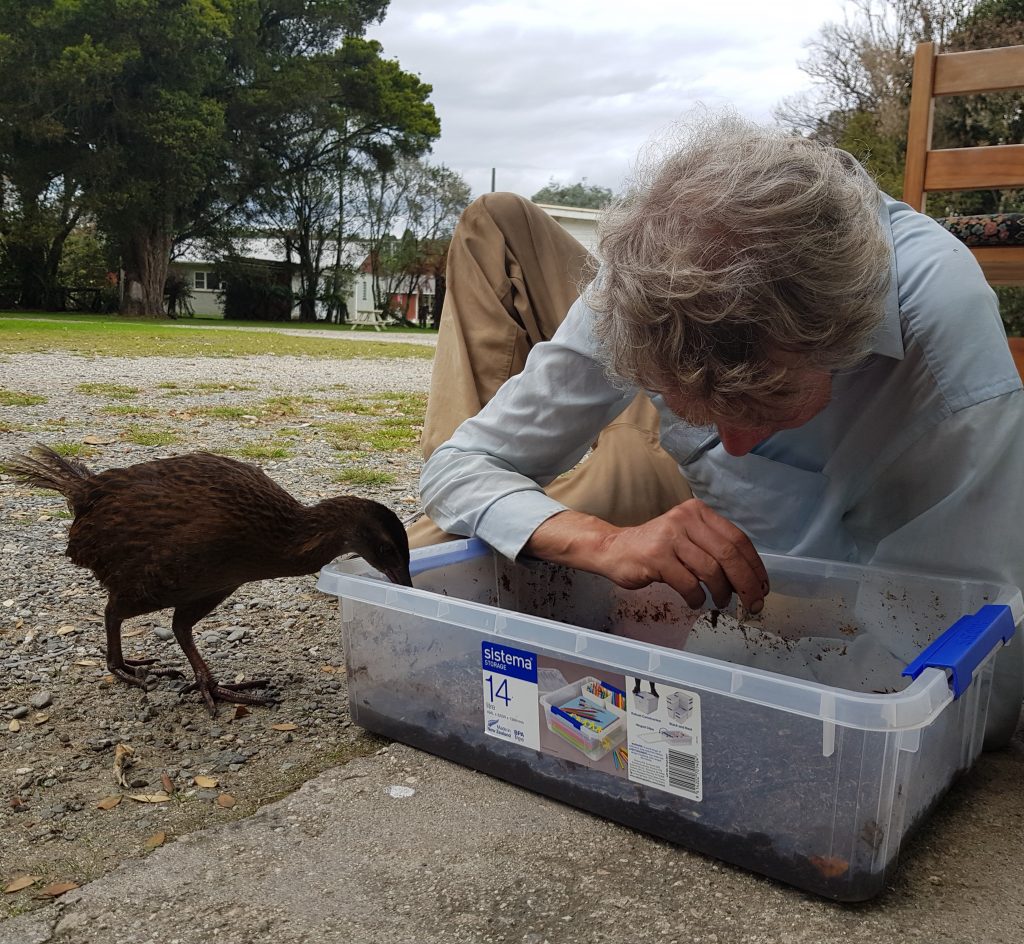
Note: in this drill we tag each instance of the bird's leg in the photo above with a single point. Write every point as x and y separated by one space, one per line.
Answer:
119 666
185 617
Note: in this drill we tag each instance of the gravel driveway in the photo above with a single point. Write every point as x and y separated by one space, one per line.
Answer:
65 817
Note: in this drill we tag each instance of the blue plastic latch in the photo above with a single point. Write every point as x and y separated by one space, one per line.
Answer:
965 645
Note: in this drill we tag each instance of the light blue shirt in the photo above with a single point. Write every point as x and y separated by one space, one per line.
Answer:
917 446
916 463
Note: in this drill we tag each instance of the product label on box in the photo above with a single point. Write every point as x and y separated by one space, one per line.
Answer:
663 737
510 694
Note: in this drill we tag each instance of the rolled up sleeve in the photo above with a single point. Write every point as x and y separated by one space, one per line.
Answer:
488 479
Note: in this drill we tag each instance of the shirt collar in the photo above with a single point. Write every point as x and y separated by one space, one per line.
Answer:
888 337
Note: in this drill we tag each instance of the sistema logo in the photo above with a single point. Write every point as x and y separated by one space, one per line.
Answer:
505 660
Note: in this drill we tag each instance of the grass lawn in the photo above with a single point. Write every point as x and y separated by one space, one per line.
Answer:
113 336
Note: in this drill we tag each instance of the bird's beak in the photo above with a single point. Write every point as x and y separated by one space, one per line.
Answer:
399 575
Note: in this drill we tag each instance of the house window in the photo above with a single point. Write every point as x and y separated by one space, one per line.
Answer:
207 281
364 291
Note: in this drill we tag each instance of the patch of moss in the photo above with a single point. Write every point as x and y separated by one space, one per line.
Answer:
17 398
112 390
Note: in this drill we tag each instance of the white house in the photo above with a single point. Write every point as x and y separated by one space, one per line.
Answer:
580 222
199 270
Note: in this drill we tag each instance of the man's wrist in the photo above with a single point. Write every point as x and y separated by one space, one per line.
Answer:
571 538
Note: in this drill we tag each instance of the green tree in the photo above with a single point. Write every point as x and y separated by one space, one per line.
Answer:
408 214
356 110
126 97
581 194
861 71
168 113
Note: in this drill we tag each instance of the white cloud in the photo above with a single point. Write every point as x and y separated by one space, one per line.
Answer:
573 88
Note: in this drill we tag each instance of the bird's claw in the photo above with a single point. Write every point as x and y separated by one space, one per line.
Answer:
236 692
140 672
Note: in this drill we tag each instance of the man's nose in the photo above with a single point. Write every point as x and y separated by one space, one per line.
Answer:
738 441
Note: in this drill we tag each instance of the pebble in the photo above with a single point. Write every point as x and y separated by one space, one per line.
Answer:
162 632
19 712
40 700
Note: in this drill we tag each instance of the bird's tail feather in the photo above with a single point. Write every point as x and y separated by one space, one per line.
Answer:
44 468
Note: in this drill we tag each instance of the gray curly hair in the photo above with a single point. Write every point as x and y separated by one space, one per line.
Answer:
743 247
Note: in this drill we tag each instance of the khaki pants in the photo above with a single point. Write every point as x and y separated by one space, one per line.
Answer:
513 273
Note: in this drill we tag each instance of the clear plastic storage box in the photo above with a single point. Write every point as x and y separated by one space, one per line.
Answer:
791 743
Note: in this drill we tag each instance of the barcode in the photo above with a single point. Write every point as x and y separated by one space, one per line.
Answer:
682 771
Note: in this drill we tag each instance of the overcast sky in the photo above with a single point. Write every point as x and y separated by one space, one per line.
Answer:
573 88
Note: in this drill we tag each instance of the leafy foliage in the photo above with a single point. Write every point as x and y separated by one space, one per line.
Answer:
163 120
582 194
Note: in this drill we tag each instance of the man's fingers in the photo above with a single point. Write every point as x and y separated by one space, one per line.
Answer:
737 557
706 568
681 579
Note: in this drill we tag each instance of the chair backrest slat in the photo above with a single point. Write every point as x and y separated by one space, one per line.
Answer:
982 70
976 168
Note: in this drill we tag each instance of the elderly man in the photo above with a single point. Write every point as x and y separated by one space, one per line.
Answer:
823 368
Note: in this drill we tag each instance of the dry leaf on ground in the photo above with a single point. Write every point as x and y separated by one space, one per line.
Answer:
285 726
160 797
226 801
22 881
157 839
206 782
56 890
108 803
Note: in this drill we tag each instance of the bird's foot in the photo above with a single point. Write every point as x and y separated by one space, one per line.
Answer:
236 692
138 672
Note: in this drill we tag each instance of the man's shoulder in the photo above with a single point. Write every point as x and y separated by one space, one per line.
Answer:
948 312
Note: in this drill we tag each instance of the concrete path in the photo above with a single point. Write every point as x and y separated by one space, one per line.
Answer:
470 859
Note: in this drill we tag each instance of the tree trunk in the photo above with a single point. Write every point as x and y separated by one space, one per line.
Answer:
440 289
146 259
36 262
36 269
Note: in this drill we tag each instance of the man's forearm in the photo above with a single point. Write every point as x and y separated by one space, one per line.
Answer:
571 538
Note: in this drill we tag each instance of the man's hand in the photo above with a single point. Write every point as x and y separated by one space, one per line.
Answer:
685 547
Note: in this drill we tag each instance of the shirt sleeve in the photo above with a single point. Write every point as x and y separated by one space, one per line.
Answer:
488 479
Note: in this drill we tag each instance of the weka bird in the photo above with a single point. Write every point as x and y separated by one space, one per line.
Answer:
188 531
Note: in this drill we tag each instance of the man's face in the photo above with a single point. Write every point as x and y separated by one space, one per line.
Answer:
807 393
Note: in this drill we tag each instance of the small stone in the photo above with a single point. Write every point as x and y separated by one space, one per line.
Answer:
162 632
40 700
934 879
20 712
236 635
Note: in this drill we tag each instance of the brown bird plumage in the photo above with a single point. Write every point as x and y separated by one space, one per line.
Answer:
186 532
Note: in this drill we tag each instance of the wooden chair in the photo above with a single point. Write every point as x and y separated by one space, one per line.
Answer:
973 168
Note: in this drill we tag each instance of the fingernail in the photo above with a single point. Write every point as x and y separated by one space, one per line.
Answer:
756 607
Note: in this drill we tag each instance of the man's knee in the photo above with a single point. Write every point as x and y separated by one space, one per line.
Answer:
502 208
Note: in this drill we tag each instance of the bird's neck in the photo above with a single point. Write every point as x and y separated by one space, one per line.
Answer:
323 532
